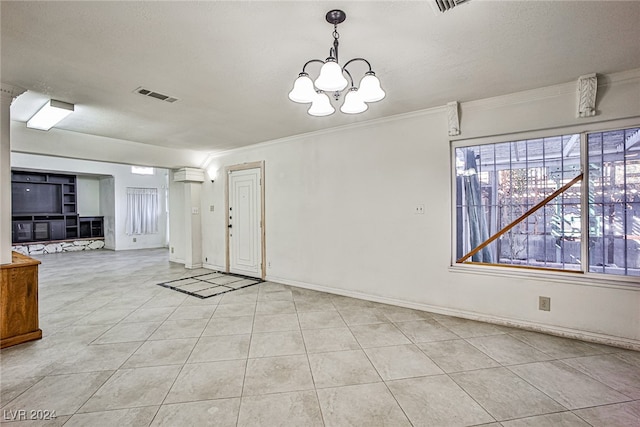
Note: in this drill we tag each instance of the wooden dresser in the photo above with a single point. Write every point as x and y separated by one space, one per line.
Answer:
19 301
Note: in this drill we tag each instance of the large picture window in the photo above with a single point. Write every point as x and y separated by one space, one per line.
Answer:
527 202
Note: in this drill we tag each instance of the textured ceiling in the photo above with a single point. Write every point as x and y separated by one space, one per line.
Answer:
231 64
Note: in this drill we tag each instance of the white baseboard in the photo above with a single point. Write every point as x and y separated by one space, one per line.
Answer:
497 320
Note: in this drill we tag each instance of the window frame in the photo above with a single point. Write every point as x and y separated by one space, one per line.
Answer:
582 276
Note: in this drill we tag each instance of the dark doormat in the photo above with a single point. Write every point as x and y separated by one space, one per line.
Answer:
210 284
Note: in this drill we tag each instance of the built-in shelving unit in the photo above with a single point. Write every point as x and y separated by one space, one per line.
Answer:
44 206
91 226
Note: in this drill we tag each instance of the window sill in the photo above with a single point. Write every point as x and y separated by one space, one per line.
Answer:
568 277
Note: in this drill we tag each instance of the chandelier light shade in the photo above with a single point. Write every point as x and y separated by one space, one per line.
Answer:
303 91
321 105
334 79
331 78
370 90
50 114
353 103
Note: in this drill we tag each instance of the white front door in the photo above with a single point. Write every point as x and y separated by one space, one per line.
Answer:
245 245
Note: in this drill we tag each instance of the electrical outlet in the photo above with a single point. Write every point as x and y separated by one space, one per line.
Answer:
206 259
544 303
269 264
211 208
135 240
419 209
171 249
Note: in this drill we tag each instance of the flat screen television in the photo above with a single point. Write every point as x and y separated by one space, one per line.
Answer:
29 198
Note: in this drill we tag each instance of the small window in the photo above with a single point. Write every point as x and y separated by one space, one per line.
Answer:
142 170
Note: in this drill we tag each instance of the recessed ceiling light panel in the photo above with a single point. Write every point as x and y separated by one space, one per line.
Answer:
50 114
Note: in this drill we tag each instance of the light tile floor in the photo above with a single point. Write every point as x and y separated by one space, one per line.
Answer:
118 350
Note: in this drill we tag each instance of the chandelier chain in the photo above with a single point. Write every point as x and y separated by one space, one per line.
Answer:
336 36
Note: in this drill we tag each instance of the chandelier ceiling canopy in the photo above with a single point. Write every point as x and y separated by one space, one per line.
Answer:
332 80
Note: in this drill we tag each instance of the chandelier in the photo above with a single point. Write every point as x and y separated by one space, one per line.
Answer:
332 80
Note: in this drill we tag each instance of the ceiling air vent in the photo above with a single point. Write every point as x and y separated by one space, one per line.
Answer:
156 95
444 5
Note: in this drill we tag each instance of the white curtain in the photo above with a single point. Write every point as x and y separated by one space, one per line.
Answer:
142 210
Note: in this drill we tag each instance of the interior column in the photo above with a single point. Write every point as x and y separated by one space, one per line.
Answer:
192 180
8 93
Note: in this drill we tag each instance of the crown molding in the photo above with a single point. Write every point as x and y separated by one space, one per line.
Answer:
620 77
328 131
548 91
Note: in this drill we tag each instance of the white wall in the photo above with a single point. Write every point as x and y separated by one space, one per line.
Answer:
115 217
88 195
340 216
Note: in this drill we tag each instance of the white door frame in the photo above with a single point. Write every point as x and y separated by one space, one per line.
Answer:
228 170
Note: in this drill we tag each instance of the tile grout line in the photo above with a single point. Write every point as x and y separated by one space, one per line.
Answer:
306 353
246 362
